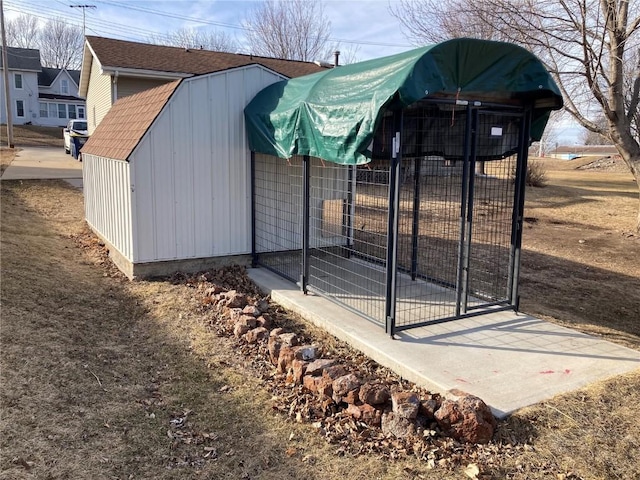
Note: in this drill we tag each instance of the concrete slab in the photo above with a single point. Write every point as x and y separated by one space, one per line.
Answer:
509 360
41 163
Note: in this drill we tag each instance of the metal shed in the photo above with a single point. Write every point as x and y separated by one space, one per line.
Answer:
166 174
364 187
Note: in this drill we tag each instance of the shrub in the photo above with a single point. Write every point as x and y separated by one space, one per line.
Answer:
536 174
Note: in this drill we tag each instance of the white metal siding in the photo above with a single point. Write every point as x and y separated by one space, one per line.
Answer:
190 172
98 96
130 85
107 200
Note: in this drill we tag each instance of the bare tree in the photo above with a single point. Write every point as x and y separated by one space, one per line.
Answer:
192 38
592 49
293 29
61 45
22 32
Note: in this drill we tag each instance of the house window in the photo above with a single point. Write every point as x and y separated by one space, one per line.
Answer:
17 80
53 110
72 111
44 110
81 111
20 108
64 86
62 110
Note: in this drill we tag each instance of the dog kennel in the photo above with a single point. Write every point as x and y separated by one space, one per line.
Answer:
365 186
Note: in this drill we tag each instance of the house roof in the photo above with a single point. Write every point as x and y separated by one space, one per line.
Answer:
22 59
120 54
48 75
55 96
587 149
127 121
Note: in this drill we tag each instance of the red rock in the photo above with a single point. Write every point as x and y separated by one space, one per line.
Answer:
316 368
429 406
289 339
235 299
374 394
276 332
248 320
365 413
285 358
264 321
405 404
256 335
251 310
346 385
310 383
466 418
334 372
325 386
240 329
274 346
298 368
397 425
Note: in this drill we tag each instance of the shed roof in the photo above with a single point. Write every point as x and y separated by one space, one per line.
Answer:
124 54
22 59
334 114
127 121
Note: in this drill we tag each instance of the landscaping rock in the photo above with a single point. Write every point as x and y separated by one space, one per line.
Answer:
235 299
365 413
316 368
264 321
429 406
405 404
240 329
374 394
262 305
275 344
466 418
298 368
285 358
289 339
306 352
397 425
251 310
311 383
248 320
256 335
346 388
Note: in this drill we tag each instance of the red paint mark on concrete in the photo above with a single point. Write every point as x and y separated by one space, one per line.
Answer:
462 380
567 371
496 371
547 372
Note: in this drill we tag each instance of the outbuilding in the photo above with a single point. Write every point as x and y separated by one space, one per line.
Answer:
166 174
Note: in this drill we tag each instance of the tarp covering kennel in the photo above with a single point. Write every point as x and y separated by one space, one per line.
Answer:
334 114
364 186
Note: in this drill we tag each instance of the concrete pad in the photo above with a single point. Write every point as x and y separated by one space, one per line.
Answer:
41 163
509 360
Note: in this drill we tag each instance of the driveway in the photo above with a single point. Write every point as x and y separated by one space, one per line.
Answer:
44 162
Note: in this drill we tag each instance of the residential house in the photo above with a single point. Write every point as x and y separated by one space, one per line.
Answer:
58 97
113 69
24 67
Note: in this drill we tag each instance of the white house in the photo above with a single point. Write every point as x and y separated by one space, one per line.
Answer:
166 174
58 97
24 66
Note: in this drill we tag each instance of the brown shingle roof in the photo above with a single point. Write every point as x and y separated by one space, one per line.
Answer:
123 54
127 121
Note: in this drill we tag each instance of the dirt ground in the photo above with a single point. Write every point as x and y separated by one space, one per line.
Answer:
105 378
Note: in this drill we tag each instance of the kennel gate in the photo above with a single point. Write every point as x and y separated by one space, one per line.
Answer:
417 236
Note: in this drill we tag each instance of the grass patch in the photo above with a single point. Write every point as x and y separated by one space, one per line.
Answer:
33 136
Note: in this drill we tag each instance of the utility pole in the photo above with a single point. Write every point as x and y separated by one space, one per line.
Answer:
5 73
84 22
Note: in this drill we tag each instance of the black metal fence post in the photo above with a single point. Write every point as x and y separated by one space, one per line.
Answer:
518 216
306 195
460 277
392 226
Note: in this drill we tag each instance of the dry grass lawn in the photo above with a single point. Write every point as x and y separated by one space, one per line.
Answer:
104 378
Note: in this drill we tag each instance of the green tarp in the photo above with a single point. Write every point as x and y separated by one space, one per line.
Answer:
333 114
